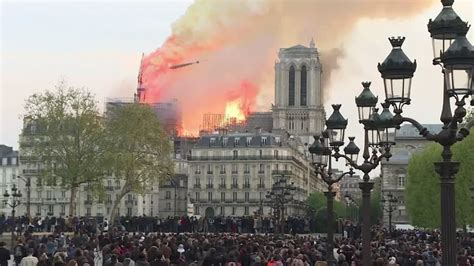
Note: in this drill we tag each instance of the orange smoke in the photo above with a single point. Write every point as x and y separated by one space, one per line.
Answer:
237 44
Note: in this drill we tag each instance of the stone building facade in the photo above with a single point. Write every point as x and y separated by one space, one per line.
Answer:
230 174
394 172
350 185
50 199
9 170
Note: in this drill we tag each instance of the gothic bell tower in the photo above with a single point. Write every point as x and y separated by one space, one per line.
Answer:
298 106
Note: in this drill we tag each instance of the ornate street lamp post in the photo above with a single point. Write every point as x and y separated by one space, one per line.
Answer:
378 138
322 162
13 200
280 195
454 53
27 181
390 200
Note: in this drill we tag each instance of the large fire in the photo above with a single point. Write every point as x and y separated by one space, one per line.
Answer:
237 44
233 111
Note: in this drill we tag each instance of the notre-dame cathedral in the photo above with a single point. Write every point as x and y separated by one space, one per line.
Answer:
298 106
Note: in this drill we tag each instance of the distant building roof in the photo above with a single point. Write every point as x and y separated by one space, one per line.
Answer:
408 131
230 139
401 157
9 153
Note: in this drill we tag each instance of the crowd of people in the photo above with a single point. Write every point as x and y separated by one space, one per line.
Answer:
245 224
114 246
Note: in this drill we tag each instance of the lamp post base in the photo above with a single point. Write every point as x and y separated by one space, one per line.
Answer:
366 187
331 261
447 170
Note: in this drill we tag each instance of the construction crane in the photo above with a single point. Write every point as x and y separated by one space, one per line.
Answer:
141 91
183 65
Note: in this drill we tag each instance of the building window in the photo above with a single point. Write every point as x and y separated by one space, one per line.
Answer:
222 169
234 196
291 86
275 154
198 196
209 196
88 211
198 169
264 140
209 182
247 196
236 141
222 184
49 195
234 169
246 169
63 209
63 194
401 181
246 210
168 206
168 195
235 154
222 196
278 140
248 141
212 141
222 210
303 86
247 183
234 183
209 169
196 210
260 153
261 168
224 142
233 210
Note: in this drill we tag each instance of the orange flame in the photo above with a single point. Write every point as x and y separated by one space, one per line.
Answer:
234 112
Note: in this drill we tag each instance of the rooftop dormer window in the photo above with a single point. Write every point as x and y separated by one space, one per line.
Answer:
236 141
264 140
278 140
249 140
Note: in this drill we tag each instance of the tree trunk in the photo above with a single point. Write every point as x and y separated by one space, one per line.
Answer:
72 202
117 200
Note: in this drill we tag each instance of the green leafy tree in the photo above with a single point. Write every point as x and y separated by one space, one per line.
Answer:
423 190
66 137
317 201
138 150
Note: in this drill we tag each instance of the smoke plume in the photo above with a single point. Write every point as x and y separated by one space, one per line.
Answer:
237 43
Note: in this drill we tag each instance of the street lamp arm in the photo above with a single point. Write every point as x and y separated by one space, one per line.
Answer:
398 119
365 167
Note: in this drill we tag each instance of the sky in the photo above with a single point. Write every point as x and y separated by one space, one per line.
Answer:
98 45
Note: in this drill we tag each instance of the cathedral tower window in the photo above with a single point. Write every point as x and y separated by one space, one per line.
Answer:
291 87
304 88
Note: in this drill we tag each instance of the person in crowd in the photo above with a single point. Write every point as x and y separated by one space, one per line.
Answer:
4 254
